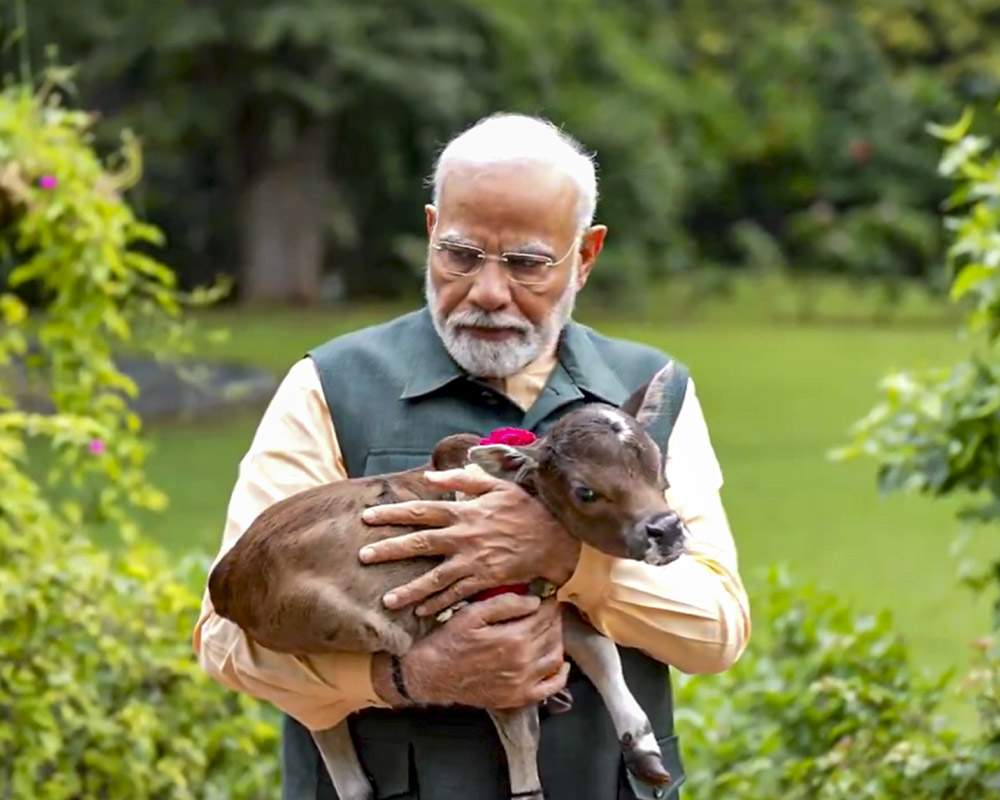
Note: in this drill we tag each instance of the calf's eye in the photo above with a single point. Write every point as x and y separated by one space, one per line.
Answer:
585 494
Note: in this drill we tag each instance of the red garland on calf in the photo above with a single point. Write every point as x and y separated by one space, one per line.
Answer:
515 437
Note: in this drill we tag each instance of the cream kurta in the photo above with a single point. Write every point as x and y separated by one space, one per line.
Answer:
692 614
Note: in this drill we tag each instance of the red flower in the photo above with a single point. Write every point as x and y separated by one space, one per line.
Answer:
509 436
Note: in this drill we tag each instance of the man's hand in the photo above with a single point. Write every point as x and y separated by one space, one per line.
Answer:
505 652
502 536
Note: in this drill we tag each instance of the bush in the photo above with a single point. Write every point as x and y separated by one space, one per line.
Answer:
828 705
100 695
937 431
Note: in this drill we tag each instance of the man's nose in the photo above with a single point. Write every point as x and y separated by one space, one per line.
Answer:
490 288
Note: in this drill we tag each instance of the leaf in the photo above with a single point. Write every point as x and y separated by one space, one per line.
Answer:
969 278
954 132
12 309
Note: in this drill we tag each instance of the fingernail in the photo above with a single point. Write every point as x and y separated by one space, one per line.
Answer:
366 554
367 515
421 611
390 599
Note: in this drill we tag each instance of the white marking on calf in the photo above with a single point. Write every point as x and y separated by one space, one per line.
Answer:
618 423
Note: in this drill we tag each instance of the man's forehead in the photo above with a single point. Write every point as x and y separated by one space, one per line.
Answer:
524 191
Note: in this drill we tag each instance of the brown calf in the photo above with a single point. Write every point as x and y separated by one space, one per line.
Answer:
291 585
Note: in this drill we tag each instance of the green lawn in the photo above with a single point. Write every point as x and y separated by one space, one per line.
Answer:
778 397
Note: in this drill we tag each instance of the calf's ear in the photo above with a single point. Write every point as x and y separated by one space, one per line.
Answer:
505 461
646 402
452 451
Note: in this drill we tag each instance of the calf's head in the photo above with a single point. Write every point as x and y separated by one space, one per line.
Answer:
599 472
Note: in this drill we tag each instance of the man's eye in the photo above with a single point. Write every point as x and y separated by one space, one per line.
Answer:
585 494
461 258
528 265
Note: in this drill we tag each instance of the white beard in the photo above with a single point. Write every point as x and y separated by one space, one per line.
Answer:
485 359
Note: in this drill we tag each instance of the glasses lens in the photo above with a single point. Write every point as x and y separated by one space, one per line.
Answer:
458 259
527 268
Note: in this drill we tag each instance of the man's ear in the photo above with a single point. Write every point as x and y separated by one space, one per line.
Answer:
646 402
430 212
590 247
504 461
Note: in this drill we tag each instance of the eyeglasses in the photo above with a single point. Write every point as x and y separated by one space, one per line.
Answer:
527 269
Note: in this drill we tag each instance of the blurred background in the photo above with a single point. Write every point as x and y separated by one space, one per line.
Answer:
288 142
776 177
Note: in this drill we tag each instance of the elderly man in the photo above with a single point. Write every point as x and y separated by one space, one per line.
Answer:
511 242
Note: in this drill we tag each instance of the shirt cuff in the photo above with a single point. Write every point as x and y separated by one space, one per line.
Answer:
352 673
588 585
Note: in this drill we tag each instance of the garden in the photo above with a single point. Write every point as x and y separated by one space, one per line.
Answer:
830 272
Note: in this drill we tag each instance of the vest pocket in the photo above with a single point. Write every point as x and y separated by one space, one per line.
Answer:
670 750
386 753
382 461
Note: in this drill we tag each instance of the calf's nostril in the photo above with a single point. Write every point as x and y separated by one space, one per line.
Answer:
664 526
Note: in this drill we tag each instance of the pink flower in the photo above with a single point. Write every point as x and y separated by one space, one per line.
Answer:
96 446
860 150
509 436
48 182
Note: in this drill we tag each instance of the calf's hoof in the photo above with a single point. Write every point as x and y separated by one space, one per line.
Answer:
559 703
646 765
649 768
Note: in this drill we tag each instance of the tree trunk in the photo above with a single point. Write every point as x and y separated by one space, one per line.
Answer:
282 230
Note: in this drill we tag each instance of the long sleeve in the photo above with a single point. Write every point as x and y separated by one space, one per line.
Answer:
693 613
295 447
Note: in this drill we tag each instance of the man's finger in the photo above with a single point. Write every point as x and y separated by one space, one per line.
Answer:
432 513
438 579
548 687
409 545
549 666
506 607
547 618
446 599
468 481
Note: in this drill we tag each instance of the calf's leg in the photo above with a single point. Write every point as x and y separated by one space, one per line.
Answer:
519 735
341 760
597 657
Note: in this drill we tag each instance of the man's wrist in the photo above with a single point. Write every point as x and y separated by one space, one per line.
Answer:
389 681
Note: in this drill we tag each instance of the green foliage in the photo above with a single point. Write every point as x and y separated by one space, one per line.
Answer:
938 431
100 695
827 705
803 123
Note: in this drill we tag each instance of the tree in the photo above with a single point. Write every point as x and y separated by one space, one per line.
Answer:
259 93
287 137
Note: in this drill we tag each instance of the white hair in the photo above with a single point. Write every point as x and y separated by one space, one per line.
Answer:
516 138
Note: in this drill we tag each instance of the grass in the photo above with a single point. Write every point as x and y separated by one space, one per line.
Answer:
778 396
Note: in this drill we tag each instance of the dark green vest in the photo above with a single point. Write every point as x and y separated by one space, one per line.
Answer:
393 393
